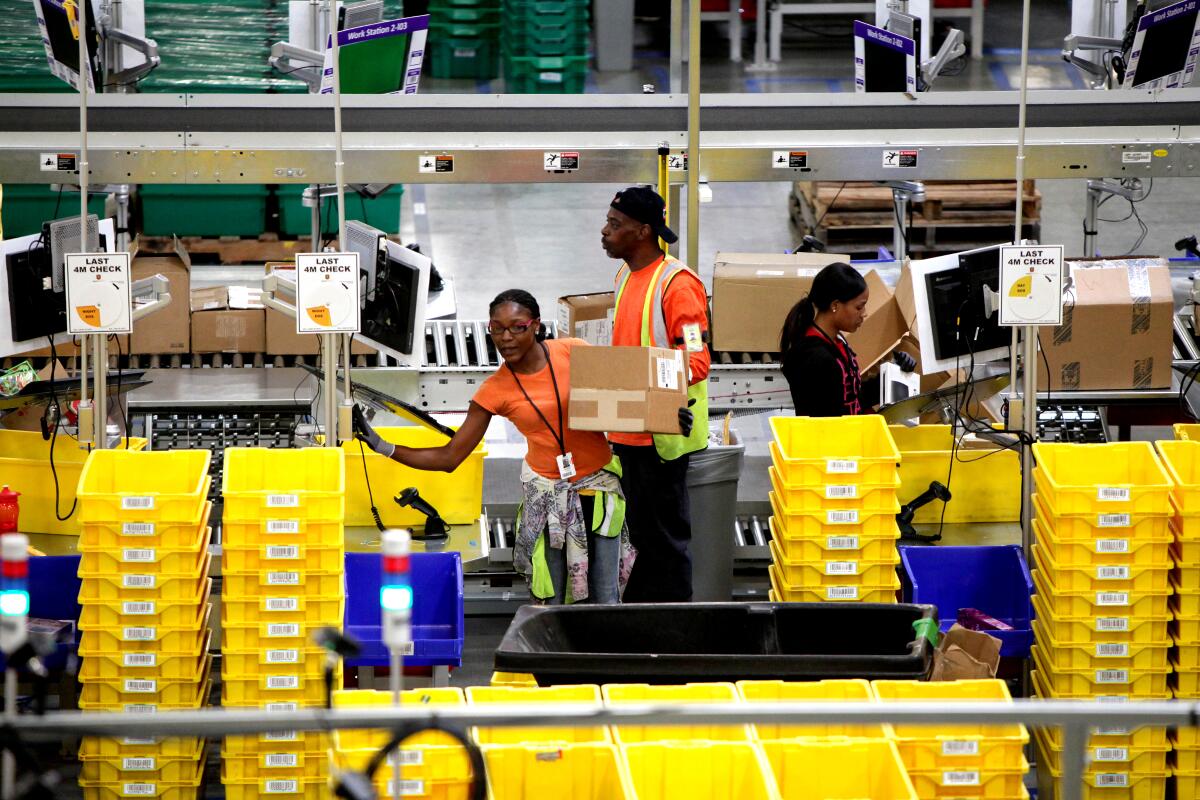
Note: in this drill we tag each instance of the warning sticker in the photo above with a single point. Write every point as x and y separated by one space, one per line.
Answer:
677 162
442 163
560 162
57 162
789 159
903 159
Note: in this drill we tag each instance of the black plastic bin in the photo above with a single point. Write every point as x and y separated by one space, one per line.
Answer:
687 642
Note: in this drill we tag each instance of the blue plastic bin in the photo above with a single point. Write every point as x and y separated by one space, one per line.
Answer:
993 579
54 594
437 612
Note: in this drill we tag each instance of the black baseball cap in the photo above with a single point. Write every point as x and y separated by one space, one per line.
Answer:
643 204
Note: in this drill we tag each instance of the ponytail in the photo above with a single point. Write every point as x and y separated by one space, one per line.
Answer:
838 283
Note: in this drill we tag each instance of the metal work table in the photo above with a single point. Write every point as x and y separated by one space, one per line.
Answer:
218 388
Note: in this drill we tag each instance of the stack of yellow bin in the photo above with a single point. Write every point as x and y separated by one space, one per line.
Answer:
282 564
1182 460
1102 567
834 505
145 601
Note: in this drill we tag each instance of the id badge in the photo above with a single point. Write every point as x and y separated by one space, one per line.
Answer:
566 466
693 338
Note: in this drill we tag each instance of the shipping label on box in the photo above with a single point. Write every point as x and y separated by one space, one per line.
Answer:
627 389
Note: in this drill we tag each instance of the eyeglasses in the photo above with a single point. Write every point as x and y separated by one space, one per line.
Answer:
496 329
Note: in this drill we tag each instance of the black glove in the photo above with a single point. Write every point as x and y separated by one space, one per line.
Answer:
365 432
687 419
903 360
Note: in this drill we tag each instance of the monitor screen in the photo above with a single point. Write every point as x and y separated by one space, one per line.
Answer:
963 309
883 61
381 58
1165 48
58 24
393 307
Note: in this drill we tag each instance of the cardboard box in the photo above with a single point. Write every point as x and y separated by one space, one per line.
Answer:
213 298
964 654
588 317
627 389
229 331
752 294
1118 331
169 329
884 325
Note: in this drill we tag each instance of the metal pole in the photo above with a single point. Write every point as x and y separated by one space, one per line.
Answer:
1029 334
339 166
329 367
100 390
900 199
1075 737
676 48
1090 217
316 218
396 682
693 172
85 70
8 775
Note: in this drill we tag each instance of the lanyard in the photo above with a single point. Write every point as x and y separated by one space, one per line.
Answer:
559 437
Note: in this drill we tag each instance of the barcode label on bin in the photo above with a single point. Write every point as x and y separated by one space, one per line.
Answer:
138 634
848 517
407 788
960 748
283 682
145 607
139 789
1112 623
279 630
136 685
139 741
1113 521
411 758
1111 754
137 555
841 492
1111 779
283 526
137 503
1112 598
1112 573
1112 676
841 567
141 659
960 777
841 592
280 760
280 708
280 736
281 603
283 578
145 763
1112 650
283 656
137 529
281 787
138 581
841 543
1112 493
281 551
1112 545
141 708
283 500
841 465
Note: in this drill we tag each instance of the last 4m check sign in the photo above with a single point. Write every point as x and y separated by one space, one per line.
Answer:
1031 285
327 293
99 295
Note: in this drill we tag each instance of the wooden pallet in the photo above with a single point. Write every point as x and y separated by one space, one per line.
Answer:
230 250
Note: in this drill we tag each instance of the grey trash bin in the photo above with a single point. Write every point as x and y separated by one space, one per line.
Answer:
712 491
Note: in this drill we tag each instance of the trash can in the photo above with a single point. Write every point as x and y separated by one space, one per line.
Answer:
712 492
669 643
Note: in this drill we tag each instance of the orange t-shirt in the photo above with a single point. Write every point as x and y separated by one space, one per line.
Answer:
501 395
684 301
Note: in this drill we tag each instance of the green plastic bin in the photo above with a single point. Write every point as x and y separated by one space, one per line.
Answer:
464 57
295 218
25 207
210 210
545 74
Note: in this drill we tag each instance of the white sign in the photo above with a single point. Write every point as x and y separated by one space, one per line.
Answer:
1031 285
98 293
327 293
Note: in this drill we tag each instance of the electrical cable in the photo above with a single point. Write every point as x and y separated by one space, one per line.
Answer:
474 755
54 438
370 495
829 207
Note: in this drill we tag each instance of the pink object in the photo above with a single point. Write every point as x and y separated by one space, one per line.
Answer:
10 510
976 620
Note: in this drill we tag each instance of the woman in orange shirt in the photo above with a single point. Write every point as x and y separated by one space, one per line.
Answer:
572 542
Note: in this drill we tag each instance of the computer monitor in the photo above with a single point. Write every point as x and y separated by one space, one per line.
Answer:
1165 49
958 309
394 291
58 25
883 61
32 290
380 58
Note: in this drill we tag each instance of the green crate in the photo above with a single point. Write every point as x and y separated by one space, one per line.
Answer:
226 209
463 16
540 7
573 45
463 30
295 218
25 207
463 57
545 74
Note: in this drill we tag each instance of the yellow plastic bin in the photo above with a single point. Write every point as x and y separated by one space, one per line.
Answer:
833 546
116 665
835 770
286 788
578 771
25 467
1117 626
458 495
1100 524
1103 546
111 587
144 558
1111 785
1186 430
1106 758
699 771
159 790
1100 655
586 694
283 557
816 525
160 692
120 614
97 767
842 593
1098 604
964 782
261 533
168 486
512 679
312 612
116 535
258 691
641 693
836 571
273 765
834 450
809 497
148 638
985 484
1114 478
282 583
303 484
121 747
1182 461
1135 683
807 692
1091 578
308 662
362 739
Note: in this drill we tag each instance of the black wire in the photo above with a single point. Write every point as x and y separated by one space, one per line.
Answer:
829 207
370 495
474 755
362 201
54 437
58 201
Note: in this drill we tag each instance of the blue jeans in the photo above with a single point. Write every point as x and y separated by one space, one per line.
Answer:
604 562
